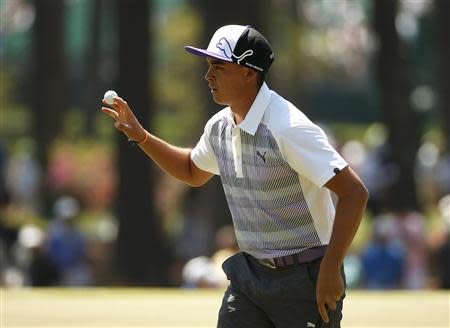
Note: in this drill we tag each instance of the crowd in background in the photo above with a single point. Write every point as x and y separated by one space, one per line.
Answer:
73 245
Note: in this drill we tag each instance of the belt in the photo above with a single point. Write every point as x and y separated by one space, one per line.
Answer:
305 256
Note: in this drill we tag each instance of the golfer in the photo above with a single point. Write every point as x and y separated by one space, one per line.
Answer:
277 169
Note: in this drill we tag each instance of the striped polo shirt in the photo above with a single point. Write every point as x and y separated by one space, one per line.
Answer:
273 166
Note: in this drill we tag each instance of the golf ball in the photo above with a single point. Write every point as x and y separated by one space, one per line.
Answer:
109 96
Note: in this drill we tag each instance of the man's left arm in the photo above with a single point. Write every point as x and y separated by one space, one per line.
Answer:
352 198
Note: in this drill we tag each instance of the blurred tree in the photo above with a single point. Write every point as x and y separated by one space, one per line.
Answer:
92 63
289 18
49 87
215 14
442 49
394 84
142 255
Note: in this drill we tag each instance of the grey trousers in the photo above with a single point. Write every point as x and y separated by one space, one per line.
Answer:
261 297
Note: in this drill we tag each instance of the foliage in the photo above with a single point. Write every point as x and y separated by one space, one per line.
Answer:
72 169
179 118
14 117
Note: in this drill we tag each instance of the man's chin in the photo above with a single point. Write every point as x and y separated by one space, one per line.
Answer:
219 101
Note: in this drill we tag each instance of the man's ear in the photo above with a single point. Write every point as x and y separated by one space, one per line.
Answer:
251 74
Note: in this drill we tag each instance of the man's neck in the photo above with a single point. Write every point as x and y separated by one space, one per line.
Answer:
242 107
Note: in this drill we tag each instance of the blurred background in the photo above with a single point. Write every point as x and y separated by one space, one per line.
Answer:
79 206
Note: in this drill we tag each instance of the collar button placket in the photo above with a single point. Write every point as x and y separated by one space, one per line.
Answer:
237 151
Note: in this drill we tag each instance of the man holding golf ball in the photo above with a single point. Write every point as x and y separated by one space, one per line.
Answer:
277 169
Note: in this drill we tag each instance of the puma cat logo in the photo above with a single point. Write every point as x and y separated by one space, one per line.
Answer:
263 156
224 46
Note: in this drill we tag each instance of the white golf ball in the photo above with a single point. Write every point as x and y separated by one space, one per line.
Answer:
109 96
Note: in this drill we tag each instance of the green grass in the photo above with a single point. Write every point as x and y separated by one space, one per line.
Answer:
140 307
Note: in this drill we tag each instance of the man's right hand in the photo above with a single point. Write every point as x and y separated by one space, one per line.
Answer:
175 161
125 119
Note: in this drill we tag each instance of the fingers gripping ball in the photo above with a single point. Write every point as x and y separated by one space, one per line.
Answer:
109 96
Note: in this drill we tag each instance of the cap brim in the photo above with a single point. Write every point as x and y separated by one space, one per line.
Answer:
205 53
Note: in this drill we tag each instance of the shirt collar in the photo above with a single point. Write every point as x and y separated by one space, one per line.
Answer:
256 111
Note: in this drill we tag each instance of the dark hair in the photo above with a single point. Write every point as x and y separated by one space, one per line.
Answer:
261 78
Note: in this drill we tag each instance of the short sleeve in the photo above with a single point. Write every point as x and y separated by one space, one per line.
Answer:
203 154
307 150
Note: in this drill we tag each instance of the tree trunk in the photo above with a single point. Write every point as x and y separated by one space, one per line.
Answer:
49 94
92 91
442 48
394 85
215 14
142 253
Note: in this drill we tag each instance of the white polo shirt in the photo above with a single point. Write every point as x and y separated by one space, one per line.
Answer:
273 166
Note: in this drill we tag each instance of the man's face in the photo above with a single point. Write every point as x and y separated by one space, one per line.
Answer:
227 81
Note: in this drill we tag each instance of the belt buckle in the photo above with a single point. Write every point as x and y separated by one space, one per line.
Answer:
270 263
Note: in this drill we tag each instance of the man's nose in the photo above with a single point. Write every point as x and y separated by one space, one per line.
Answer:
208 74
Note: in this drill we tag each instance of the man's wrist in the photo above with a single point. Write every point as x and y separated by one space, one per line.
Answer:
331 263
141 141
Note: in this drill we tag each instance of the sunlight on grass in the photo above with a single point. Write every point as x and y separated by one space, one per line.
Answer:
142 307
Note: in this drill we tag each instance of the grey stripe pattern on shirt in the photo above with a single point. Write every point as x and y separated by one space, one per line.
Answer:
270 214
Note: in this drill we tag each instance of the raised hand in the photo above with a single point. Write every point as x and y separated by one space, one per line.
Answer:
125 120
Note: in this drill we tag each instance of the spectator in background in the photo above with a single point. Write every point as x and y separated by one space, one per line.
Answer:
443 174
206 272
8 232
23 175
199 272
377 172
2 168
194 238
443 260
226 246
383 259
409 229
66 245
440 253
38 267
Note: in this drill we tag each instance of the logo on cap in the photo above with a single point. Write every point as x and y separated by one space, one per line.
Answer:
245 54
224 46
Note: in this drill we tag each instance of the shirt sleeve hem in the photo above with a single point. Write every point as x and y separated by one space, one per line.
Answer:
330 174
201 166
